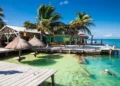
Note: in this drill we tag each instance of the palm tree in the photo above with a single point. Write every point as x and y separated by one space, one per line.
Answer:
48 20
1 21
81 23
29 25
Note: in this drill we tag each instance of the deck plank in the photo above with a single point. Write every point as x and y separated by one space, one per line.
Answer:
18 73
41 79
32 77
23 76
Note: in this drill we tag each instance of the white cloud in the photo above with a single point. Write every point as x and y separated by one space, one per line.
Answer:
108 35
64 2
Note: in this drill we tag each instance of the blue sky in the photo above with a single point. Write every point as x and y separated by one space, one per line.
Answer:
105 13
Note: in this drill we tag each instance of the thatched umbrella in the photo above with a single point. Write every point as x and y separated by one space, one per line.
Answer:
35 42
18 43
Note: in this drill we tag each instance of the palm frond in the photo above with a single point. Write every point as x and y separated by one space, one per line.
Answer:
1 15
55 17
1 9
89 24
85 30
49 12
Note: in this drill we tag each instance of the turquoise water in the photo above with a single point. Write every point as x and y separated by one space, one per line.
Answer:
71 73
96 66
112 42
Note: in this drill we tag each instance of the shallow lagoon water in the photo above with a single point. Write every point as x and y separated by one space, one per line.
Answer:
71 73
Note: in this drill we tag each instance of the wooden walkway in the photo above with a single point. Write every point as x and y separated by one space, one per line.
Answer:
20 75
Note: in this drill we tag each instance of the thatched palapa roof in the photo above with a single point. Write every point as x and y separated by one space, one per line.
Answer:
18 43
80 35
36 42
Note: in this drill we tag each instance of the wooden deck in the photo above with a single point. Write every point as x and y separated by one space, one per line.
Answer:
20 75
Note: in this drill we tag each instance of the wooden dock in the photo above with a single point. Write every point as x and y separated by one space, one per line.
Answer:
20 75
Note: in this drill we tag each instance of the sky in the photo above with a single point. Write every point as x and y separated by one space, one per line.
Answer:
105 13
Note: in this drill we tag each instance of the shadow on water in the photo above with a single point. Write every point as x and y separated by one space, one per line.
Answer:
10 72
43 60
51 56
93 76
40 62
49 84
87 61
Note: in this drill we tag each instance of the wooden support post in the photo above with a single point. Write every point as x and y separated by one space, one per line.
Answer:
110 52
6 54
69 51
117 53
52 78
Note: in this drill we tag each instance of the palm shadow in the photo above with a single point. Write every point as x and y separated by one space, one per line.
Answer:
40 62
43 60
10 72
51 56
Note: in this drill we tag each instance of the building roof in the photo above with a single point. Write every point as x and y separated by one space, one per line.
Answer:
21 29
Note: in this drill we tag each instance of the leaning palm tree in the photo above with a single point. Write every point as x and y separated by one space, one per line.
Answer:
81 23
1 16
48 20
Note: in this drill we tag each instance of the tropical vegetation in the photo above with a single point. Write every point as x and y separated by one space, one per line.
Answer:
81 23
1 16
48 20
29 25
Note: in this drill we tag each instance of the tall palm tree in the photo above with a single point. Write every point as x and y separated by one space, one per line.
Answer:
81 23
29 25
48 20
1 16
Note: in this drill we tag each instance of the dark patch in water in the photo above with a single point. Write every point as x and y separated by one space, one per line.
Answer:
51 56
93 76
43 60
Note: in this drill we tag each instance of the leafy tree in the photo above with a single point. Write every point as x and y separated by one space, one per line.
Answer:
1 16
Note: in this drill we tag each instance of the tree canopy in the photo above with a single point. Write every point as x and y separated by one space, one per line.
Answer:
1 16
29 25
48 19
82 22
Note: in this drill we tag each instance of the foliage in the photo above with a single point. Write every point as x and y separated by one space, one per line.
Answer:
29 25
47 19
1 16
81 23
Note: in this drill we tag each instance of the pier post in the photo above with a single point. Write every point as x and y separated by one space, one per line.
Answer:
52 78
110 52
69 51
6 54
117 53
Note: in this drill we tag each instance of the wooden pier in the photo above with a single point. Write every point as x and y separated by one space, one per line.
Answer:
89 50
19 75
110 52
